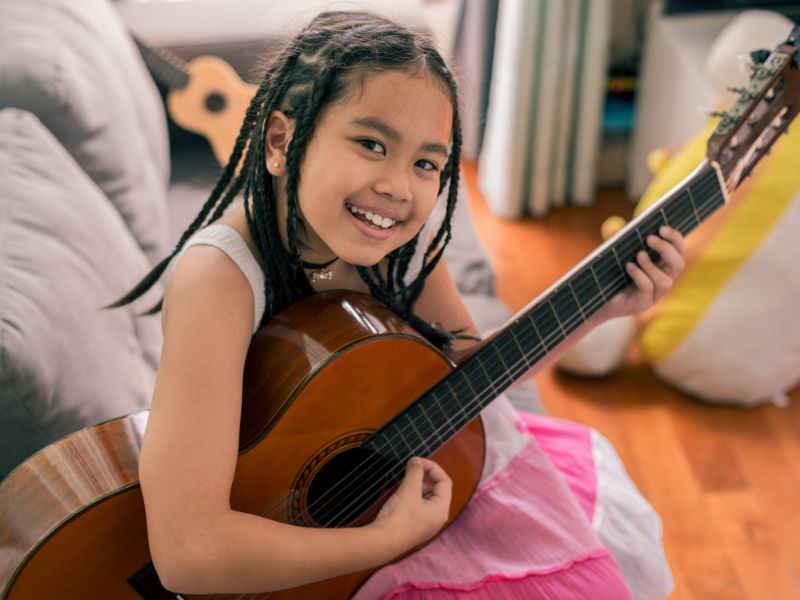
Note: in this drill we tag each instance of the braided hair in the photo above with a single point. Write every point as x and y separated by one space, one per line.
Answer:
316 68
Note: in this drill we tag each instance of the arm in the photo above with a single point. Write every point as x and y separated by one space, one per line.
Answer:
440 300
198 543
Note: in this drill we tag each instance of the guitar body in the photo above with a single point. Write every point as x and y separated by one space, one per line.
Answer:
213 103
319 379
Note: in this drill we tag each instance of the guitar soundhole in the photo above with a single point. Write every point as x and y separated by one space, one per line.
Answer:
347 489
215 102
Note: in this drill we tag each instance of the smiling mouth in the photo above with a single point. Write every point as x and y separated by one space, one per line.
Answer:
373 219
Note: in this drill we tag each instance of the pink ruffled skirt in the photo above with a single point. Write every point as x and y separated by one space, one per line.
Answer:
535 527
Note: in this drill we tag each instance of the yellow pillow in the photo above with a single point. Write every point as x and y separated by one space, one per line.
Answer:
729 331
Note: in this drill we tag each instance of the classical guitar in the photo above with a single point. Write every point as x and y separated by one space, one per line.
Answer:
339 393
205 95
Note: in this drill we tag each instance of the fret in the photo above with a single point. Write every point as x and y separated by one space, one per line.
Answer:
565 308
545 325
629 246
497 350
476 377
694 208
599 285
542 342
607 272
423 441
399 434
434 429
489 379
674 214
555 314
387 442
459 415
577 302
616 256
639 235
587 290
516 341
652 222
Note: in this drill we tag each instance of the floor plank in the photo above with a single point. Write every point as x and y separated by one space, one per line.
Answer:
726 481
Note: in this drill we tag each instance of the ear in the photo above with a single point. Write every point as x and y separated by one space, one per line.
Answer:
280 129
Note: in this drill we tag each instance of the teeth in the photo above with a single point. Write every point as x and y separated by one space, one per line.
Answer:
374 218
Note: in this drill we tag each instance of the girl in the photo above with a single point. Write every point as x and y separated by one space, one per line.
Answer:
348 142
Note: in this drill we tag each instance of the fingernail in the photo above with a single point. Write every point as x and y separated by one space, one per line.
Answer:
651 239
663 230
643 256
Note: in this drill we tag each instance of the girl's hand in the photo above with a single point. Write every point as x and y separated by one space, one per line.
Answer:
652 280
420 506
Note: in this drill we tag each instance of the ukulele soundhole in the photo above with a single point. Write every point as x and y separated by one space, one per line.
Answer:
348 489
215 102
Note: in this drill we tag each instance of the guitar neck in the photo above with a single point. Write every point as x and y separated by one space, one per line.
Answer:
166 67
546 322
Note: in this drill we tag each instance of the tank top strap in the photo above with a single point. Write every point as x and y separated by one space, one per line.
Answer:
231 243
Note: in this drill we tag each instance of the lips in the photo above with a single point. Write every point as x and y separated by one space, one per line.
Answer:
370 227
378 216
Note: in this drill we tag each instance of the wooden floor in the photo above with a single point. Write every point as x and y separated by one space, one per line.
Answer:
725 481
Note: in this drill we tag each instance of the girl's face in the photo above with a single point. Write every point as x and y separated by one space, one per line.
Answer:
370 177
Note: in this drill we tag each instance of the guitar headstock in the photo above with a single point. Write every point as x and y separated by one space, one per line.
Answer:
766 106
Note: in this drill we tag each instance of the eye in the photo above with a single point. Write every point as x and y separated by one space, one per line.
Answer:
427 165
373 146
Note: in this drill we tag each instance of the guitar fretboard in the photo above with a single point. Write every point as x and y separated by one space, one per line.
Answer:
166 67
460 396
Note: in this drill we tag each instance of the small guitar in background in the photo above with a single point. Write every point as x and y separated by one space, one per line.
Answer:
205 95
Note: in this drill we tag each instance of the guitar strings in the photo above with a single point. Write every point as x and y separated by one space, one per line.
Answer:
477 399
692 217
537 347
522 365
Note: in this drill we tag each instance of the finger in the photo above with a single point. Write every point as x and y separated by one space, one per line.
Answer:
411 486
669 253
674 236
660 280
643 283
441 485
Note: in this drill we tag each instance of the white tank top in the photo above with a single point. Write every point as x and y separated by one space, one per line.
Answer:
231 243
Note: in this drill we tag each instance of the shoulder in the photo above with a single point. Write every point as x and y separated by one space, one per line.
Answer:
208 290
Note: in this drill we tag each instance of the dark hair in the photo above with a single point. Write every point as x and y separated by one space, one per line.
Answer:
317 67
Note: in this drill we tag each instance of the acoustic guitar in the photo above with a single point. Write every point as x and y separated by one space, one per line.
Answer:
205 96
339 393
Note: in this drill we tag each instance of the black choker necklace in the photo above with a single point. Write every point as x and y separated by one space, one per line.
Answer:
320 270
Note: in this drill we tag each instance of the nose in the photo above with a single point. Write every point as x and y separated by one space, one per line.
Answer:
394 183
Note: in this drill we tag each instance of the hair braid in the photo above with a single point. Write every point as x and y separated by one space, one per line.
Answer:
319 66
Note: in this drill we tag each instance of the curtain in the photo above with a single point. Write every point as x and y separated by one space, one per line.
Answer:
544 115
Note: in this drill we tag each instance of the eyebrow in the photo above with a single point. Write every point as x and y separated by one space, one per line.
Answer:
394 135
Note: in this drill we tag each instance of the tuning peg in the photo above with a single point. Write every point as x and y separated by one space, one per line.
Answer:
760 56
711 113
770 94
